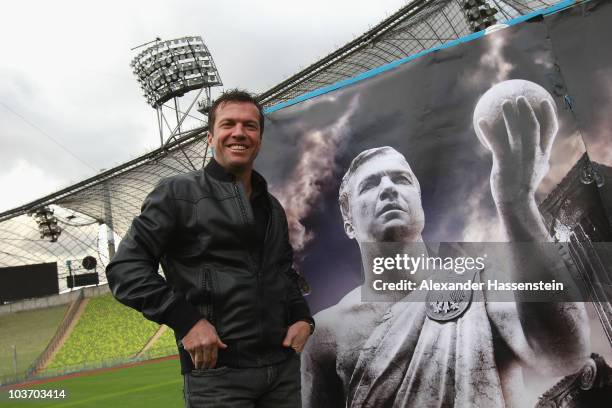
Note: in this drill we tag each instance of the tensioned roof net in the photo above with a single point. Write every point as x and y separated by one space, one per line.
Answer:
114 197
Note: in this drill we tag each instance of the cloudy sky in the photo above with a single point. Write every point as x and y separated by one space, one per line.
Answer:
70 106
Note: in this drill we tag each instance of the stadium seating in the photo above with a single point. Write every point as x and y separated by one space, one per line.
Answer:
108 332
164 346
30 332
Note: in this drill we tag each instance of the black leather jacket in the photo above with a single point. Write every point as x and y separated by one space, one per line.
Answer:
200 227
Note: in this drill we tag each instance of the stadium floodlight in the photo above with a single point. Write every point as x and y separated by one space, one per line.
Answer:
204 105
169 69
47 223
479 14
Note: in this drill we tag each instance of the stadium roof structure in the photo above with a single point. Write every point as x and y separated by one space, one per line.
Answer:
416 27
113 197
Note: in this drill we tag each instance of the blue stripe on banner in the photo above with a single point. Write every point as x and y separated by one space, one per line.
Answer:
368 74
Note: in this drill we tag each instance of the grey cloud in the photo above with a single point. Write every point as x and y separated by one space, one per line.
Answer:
316 164
493 66
599 134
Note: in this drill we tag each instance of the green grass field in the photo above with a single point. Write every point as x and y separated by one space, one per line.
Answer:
153 384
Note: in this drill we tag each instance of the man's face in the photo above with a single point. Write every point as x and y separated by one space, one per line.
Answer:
385 201
236 135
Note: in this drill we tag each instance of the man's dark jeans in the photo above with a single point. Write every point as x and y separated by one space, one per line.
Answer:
275 386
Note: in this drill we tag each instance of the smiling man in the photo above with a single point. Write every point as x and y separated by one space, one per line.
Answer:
229 291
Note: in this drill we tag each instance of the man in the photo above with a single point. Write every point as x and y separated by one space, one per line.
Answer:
229 293
367 354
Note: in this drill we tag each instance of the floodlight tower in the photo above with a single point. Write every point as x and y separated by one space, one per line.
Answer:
47 223
169 69
479 14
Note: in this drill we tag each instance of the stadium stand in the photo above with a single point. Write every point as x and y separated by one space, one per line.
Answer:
107 332
72 316
29 332
164 345
161 344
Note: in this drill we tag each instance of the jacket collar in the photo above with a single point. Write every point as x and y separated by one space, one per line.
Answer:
217 171
214 169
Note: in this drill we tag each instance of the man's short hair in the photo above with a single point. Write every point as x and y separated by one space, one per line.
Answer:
234 95
358 161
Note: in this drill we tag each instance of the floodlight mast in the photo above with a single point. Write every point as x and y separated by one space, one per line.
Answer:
479 14
168 70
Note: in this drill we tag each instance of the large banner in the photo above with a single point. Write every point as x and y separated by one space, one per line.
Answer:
494 152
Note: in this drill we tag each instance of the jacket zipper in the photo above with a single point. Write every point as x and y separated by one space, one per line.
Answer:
241 204
268 226
209 301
